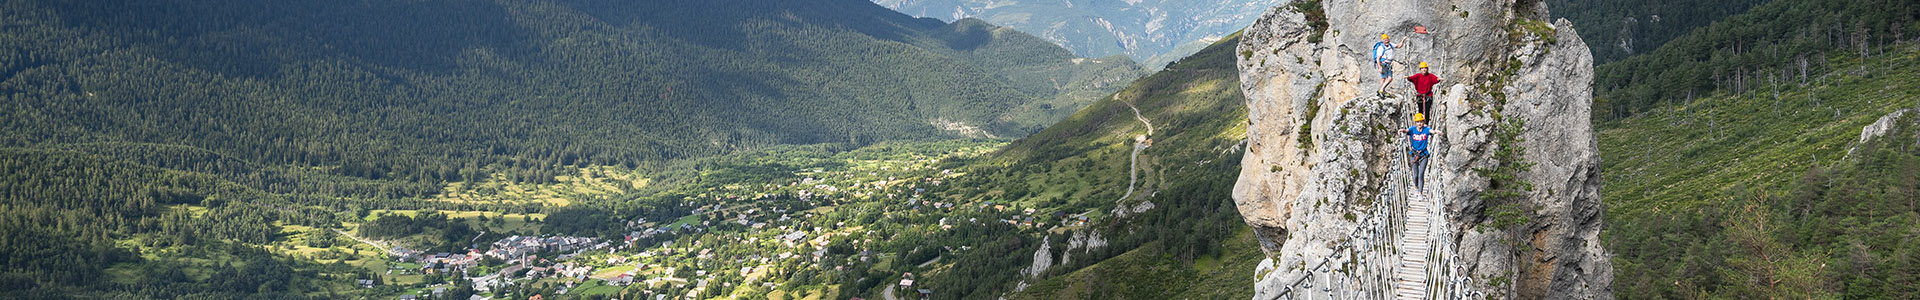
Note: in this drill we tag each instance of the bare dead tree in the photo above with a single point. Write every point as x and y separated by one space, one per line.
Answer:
1802 58
1740 73
1899 31
1719 79
1776 93
1860 40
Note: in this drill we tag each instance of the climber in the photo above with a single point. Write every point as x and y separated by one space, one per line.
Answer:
1419 134
1423 84
1383 56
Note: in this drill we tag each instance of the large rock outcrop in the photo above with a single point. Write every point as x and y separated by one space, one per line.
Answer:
1321 144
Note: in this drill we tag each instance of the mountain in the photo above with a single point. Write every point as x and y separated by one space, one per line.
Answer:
1765 156
1787 40
1153 32
1511 207
1150 168
1784 191
422 87
1130 192
214 149
1618 29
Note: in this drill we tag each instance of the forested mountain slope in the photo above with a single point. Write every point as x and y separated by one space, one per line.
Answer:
1774 43
1173 233
1153 32
1616 29
1761 194
1734 162
425 89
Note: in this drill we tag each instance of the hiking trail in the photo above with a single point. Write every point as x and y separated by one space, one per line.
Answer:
376 244
1140 142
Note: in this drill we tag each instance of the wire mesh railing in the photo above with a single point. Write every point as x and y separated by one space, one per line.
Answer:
1446 278
1363 265
1356 270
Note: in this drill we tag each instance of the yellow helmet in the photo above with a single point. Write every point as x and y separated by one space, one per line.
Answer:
1423 65
1383 36
1418 117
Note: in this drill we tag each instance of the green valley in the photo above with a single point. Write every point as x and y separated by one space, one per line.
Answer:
297 149
840 149
437 91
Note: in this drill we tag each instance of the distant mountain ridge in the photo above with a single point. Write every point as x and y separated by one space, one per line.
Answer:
1153 32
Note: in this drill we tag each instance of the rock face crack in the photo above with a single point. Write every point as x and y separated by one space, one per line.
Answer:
1301 190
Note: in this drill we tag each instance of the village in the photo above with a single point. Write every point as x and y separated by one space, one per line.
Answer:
776 238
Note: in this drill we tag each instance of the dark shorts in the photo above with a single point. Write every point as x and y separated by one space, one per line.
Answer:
1386 70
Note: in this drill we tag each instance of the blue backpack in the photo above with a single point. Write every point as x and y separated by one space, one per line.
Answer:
1382 52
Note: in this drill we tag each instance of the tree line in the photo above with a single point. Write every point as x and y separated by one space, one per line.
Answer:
1617 29
1780 42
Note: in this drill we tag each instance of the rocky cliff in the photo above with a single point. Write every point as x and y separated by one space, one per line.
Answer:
1322 146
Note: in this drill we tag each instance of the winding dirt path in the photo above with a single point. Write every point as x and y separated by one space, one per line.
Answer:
1143 119
1139 143
928 263
1133 172
376 244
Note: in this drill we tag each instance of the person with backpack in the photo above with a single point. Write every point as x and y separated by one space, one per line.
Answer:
1423 84
1417 156
1383 56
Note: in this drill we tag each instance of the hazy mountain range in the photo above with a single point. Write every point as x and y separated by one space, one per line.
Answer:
1153 32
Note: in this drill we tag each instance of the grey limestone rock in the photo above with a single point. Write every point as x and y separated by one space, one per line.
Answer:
1878 128
1321 144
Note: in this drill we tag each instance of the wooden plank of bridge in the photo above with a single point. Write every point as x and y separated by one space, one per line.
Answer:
1410 277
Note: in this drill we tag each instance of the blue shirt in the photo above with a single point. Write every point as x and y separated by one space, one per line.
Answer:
1419 135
